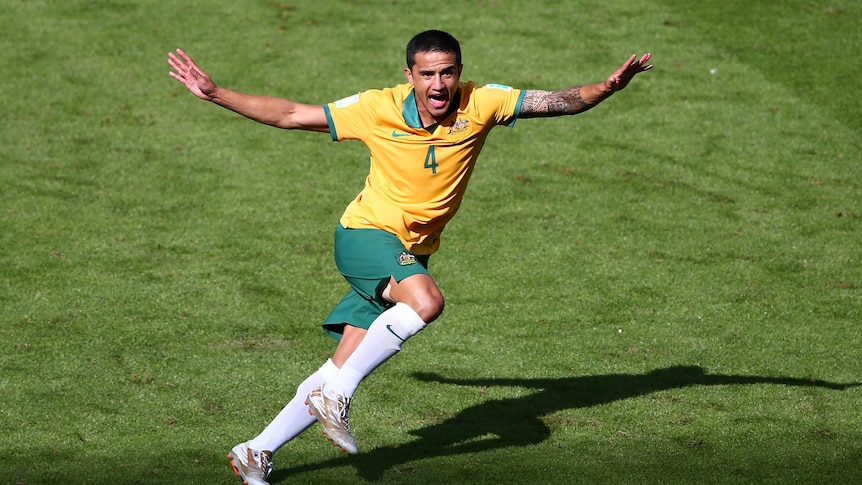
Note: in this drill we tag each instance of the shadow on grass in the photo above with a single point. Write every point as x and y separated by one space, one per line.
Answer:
518 421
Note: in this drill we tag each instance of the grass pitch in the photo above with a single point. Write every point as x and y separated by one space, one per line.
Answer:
663 290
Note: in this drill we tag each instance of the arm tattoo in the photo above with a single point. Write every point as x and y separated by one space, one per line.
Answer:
553 103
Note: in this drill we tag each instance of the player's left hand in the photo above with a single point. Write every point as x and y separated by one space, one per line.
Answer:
622 76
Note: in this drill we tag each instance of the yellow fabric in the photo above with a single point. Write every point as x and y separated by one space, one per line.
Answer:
417 178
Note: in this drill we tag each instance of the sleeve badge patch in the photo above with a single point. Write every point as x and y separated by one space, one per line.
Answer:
344 102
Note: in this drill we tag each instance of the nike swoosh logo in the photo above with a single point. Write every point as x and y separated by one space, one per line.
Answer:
389 327
397 134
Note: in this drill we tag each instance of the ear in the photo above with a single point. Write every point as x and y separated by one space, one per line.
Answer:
409 75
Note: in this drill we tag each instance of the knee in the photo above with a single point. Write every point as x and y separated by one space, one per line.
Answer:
421 293
429 306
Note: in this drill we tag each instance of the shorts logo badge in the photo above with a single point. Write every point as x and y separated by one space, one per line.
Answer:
406 259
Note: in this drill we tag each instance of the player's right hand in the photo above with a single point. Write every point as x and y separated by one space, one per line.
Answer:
187 72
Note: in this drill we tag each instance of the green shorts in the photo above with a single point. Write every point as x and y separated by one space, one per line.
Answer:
367 258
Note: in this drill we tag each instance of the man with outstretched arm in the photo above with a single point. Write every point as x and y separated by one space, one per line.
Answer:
424 137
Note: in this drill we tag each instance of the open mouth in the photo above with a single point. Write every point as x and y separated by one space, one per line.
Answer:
438 101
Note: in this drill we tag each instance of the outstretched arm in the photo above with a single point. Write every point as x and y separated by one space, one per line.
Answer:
578 99
278 112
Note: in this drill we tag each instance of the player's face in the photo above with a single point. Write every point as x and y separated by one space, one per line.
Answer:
435 77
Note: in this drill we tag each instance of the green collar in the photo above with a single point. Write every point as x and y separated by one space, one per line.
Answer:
411 113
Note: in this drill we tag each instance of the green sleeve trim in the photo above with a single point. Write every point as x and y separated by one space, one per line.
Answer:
518 106
332 131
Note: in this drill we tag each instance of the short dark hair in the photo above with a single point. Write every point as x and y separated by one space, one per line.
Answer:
432 41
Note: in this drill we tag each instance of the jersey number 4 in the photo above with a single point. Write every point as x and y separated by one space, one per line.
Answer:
431 160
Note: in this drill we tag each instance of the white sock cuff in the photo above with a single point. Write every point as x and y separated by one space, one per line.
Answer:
328 370
411 320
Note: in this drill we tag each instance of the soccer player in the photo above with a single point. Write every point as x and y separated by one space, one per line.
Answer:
424 137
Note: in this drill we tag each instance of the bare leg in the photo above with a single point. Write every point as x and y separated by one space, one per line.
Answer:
349 341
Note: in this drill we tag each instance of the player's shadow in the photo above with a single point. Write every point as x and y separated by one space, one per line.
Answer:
517 421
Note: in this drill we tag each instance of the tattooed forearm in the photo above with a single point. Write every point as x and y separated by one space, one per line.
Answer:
553 103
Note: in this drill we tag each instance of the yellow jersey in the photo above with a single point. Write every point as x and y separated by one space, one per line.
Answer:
418 176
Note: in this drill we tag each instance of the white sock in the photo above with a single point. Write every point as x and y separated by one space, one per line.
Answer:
294 418
383 340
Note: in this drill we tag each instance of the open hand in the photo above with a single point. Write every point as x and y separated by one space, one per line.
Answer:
622 76
187 72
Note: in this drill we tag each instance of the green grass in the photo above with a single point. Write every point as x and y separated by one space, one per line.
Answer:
663 290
